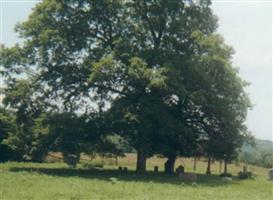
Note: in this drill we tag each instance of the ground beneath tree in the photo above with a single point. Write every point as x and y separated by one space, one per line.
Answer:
56 181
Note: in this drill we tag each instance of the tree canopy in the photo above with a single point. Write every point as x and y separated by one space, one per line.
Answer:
155 72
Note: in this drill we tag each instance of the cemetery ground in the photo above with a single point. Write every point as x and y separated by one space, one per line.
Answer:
54 180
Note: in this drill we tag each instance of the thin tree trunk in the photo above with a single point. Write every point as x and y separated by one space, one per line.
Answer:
141 161
169 164
194 163
208 168
220 166
116 160
225 169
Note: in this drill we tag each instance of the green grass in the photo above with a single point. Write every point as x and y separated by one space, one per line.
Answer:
56 181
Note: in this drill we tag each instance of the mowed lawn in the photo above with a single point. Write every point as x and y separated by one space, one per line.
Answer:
57 181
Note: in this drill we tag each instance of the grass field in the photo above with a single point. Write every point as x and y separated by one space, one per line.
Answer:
57 181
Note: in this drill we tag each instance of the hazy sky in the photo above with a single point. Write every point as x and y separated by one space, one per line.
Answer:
246 25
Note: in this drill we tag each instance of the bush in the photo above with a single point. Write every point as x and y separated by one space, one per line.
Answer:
225 175
244 175
5 153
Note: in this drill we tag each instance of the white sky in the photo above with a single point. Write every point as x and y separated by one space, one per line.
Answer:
245 24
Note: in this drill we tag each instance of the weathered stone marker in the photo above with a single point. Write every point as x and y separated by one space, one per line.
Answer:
125 169
245 169
270 174
71 160
120 168
156 169
227 179
189 177
180 169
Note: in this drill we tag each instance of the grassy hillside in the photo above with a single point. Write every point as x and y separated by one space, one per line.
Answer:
57 181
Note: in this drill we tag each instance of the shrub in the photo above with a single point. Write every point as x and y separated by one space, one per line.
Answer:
8 154
5 153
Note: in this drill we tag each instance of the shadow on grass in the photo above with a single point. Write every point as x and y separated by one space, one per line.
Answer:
129 176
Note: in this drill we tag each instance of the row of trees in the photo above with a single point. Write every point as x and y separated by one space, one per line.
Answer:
153 72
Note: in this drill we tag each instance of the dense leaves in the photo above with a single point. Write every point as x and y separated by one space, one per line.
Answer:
153 72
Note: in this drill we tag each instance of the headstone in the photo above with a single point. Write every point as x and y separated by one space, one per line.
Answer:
245 169
120 168
98 166
270 174
180 169
156 169
189 177
71 160
227 179
125 169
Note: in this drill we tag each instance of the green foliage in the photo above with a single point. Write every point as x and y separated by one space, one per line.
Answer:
7 127
153 72
6 123
5 152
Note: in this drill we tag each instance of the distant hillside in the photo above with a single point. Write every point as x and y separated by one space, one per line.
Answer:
260 145
261 154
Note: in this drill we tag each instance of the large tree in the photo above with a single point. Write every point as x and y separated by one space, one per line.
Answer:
131 59
224 102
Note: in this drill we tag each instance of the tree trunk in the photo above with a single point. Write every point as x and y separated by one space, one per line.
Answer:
116 160
141 161
225 169
208 168
220 166
194 163
169 164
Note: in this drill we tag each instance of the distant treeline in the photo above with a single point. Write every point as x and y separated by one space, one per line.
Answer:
261 154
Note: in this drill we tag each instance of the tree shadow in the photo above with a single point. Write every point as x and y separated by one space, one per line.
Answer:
129 176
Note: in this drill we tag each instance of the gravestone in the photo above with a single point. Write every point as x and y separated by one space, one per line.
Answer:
270 174
71 160
120 168
226 179
188 177
180 169
245 169
125 169
156 169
